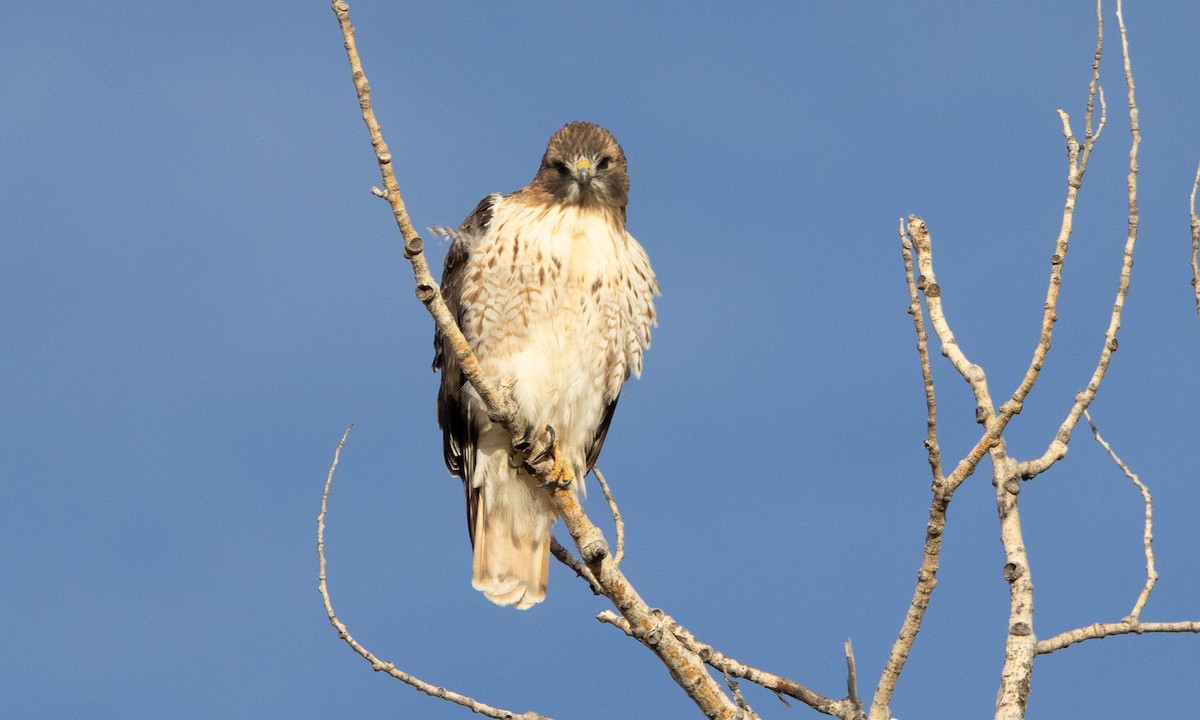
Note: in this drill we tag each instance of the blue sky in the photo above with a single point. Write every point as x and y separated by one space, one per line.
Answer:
199 294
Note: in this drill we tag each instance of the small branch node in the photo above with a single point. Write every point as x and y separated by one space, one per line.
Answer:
1020 629
1012 571
594 551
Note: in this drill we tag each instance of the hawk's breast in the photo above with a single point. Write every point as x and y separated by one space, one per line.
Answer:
559 298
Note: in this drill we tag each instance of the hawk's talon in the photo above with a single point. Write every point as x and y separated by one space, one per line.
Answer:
560 476
546 451
525 442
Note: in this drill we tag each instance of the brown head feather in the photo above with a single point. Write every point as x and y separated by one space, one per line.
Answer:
583 165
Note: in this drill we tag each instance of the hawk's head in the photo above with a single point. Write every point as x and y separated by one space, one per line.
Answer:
584 165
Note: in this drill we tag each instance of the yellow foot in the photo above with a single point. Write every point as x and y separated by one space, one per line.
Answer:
561 475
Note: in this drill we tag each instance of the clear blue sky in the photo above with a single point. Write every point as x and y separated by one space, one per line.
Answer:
199 293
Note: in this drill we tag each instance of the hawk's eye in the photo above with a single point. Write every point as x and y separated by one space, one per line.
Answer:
562 168
604 163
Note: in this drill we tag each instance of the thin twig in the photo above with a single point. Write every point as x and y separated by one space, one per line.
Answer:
566 557
736 690
852 677
1195 240
686 669
619 555
1147 527
837 708
932 447
382 665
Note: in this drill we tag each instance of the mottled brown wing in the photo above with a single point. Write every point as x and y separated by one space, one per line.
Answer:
593 452
454 411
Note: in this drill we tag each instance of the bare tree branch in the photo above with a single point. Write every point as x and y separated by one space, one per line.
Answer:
985 413
927 283
383 665
843 708
932 446
619 555
926 582
1103 630
735 689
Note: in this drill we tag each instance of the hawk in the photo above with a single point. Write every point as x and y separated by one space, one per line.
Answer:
556 300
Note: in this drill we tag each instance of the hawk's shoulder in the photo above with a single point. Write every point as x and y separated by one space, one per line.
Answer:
462 241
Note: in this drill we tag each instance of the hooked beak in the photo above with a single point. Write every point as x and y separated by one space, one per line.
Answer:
583 171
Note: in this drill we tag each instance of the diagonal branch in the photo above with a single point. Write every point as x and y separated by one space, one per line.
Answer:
566 557
685 667
942 493
843 708
383 665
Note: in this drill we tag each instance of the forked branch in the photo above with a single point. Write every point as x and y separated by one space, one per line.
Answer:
838 708
1131 623
1058 447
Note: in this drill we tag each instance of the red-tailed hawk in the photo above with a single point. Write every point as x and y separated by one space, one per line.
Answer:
556 299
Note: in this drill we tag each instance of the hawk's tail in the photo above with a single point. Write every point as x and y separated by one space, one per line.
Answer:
512 518
511 562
